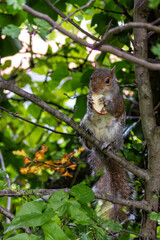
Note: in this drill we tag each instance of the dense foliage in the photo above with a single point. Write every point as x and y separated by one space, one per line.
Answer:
60 76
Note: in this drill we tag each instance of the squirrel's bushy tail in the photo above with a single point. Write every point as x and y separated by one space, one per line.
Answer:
114 181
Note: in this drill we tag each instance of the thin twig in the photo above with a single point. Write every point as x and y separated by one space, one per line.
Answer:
36 124
71 21
112 233
109 11
100 43
75 110
77 10
128 85
8 183
40 195
124 10
136 234
49 102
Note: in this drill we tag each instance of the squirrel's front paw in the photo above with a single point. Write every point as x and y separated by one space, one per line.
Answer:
106 146
90 101
104 101
89 131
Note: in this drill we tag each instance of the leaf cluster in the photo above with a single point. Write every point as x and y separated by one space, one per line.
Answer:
61 217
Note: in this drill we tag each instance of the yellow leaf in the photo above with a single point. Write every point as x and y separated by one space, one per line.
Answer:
80 149
26 160
34 169
73 166
61 169
63 160
39 155
20 153
57 161
67 174
44 148
24 170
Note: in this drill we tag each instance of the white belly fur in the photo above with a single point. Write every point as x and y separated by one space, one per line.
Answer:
105 127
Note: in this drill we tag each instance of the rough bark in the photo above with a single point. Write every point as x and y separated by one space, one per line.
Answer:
150 129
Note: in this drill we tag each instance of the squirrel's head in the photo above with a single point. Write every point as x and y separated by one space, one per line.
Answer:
102 80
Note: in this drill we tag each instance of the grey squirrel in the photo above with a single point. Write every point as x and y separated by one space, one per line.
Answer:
107 126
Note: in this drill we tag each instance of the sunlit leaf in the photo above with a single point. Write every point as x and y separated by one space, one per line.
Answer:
20 153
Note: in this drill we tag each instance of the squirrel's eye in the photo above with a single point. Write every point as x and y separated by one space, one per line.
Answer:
107 80
91 78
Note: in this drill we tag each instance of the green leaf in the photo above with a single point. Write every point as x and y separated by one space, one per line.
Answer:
85 77
17 4
34 110
89 12
58 202
76 80
53 231
79 215
60 73
24 236
77 2
85 237
41 23
154 3
78 17
30 215
82 192
11 30
81 104
155 196
43 33
6 19
114 226
6 64
155 216
14 46
137 145
156 50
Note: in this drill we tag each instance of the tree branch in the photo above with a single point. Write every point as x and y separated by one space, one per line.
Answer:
122 161
39 192
36 124
104 48
124 27
29 192
129 203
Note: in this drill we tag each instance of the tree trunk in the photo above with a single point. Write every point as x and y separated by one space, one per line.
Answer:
150 129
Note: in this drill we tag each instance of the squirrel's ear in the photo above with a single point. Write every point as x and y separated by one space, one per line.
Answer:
113 70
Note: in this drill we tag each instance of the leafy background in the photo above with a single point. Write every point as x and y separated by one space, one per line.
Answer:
61 78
